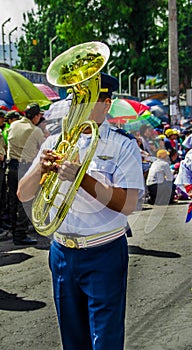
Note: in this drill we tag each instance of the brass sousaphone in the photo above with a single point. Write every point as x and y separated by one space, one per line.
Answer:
78 69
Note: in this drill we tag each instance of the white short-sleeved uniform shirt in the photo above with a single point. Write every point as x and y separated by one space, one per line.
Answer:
116 162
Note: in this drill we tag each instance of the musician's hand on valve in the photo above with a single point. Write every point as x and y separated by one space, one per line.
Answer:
48 161
68 171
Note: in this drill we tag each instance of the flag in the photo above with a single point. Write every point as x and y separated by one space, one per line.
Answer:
189 213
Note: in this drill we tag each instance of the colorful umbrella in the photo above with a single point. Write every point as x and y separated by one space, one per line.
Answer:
130 109
16 90
122 108
139 107
48 92
147 118
125 114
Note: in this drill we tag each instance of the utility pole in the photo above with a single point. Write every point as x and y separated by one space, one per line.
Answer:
173 65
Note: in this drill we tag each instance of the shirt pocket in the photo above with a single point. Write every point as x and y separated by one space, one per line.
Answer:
103 170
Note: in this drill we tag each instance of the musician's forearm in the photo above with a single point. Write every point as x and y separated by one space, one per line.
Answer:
29 185
118 199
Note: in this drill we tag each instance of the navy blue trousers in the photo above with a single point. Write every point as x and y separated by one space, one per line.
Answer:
89 288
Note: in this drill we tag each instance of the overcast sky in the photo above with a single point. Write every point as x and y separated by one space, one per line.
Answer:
13 9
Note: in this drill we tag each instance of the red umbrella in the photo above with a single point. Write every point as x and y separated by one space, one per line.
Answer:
122 108
48 92
139 107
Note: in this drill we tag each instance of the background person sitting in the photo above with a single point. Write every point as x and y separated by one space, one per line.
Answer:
160 180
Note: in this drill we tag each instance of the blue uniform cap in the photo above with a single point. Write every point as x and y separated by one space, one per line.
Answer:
108 84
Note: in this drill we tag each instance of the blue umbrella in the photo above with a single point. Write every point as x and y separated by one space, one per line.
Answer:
152 102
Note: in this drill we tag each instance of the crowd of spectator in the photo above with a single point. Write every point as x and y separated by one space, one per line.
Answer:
163 150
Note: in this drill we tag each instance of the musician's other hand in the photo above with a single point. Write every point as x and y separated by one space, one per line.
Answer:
68 171
48 161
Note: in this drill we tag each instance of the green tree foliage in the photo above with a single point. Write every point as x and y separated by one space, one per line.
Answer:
128 27
29 47
184 15
39 29
136 32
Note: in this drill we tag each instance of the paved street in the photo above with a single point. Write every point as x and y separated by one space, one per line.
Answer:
159 287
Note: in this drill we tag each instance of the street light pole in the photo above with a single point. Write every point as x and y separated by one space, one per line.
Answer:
50 47
129 80
10 50
138 93
3 41
120 74
108 66
110 70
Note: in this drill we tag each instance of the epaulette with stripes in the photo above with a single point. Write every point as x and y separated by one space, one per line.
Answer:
125 133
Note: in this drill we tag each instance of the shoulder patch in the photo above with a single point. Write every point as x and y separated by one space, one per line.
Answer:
125 133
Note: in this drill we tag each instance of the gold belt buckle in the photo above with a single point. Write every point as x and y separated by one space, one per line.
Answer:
70 243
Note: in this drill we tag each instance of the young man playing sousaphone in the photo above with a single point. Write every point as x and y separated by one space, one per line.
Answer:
89 253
